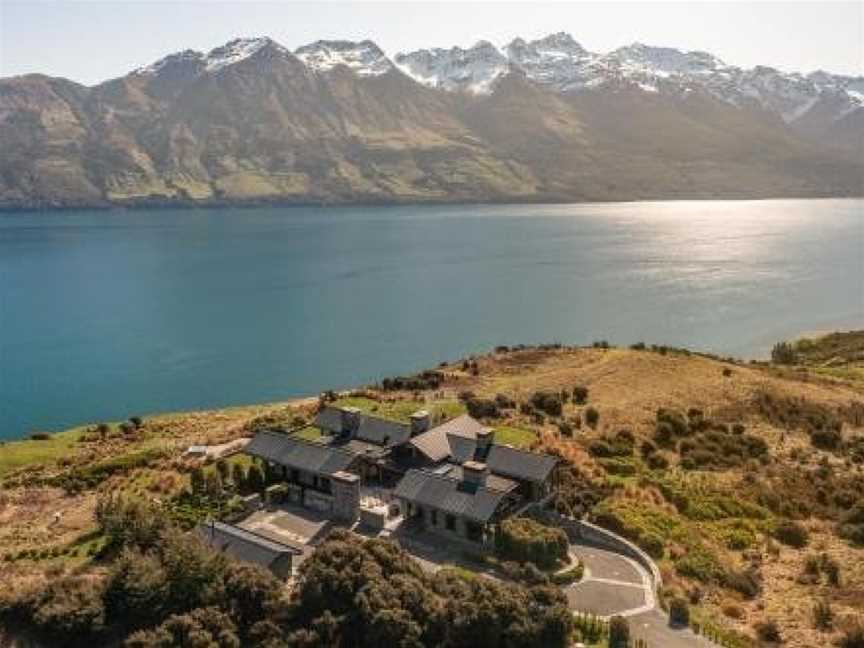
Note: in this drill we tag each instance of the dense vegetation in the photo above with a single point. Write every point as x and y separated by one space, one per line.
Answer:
163 587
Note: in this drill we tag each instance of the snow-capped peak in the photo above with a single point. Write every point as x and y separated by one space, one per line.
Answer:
666 60
473 70
186 58
554 60
364 58
237 50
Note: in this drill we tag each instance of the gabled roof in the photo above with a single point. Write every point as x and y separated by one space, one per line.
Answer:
493 481
426 489
382 431
243 544
330 419
374 429
519 464
299 453
437 445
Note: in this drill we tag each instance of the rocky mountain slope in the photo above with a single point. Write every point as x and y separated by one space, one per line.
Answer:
339 121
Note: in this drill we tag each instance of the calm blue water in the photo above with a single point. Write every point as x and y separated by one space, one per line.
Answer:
108 314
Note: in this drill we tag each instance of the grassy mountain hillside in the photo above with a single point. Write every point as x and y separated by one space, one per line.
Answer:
270 128
743 480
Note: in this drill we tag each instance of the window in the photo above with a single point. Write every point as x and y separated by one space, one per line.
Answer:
325 484
434 515
295 475
450 521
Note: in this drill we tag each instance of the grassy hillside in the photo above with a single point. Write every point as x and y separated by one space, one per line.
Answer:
743 480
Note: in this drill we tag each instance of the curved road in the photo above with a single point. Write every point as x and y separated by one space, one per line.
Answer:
614 584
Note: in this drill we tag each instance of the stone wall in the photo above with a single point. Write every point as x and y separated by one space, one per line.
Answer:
583 531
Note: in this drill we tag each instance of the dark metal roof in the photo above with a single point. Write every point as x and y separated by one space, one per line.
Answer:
493 481
330 419
374 429
382 431
427 489
435 443
243 544
299 453
519 464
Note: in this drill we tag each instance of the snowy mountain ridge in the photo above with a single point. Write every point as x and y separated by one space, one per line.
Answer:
560 62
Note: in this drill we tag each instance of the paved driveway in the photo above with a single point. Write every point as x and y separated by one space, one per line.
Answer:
615 584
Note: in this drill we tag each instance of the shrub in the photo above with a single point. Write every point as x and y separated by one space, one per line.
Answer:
619 632
792 534
482 408
420 382
826 438
526 540
679 612
854 637
572 575
255 479
580 395
768 631
823 615
548 402
745 583
40 436
783 353
652 544
658 462
592 417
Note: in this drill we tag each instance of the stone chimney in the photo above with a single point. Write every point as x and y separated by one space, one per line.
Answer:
419 422
485 438
350 420
475 472
346 496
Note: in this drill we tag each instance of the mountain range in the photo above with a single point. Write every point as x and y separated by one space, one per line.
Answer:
341 122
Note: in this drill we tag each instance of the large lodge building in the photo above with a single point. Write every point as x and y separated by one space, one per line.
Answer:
451 478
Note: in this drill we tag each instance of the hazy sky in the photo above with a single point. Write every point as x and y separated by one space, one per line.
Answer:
90 41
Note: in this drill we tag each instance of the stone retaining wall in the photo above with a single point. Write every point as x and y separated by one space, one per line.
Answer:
581 530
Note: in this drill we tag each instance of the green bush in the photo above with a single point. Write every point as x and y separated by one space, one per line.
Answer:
792 534
526 540
548 402
768 631
580 395
652 544
619 632
592 417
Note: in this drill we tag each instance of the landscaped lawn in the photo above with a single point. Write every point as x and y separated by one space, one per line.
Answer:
400 410
310 433
519 437
14 454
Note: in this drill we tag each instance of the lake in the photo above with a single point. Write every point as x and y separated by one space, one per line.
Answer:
107 314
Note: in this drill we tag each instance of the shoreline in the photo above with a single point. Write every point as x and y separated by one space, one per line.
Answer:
254 204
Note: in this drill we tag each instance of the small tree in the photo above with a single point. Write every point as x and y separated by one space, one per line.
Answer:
619 632
783 353
255 479
768 631
238 476
823 615
792 533
213 484
580 395
592 417
196 481
224 470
